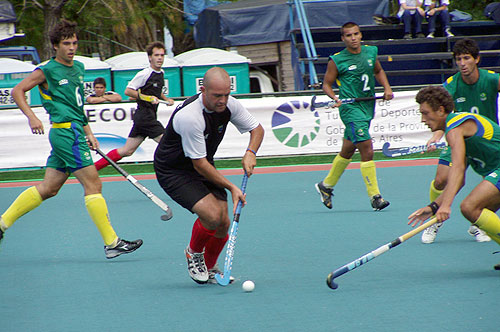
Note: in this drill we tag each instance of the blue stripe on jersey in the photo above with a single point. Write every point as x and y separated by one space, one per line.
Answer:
484 127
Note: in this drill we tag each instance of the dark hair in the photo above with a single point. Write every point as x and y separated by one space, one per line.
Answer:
466 46
436 96
63 30
155 44
100 80
346 26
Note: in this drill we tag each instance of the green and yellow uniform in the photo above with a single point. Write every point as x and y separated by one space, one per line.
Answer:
356 79
63 100
479 98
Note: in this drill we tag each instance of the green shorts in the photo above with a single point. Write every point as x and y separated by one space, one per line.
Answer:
358 131
70 151
445 157
494 177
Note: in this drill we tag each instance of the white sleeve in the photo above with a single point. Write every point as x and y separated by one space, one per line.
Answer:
190 126
240 117
139 79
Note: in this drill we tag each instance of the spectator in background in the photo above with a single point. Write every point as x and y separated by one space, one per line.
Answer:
435 9
411 11
100 94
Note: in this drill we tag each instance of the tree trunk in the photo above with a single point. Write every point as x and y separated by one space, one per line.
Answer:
52 13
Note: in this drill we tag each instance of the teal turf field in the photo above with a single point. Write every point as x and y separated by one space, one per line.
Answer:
54 275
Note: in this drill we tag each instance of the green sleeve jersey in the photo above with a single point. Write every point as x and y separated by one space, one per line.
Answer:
483 149
479 98
64 97
356 79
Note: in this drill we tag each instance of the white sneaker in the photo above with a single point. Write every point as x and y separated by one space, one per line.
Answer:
196 266
480 235
430 233
448 33
430 35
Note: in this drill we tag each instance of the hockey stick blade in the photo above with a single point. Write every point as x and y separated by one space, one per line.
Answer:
398 152
372 254
224 279
155 199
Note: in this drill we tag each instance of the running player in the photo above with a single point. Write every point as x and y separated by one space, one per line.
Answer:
474 90
184 166
354 68
61 86
474 140
150 82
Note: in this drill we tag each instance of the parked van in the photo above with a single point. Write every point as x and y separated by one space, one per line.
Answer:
23 53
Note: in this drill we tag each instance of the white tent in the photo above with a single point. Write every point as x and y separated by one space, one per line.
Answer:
209 56
135 60
8 66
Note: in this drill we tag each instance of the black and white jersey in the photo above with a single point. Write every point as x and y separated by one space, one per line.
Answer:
193 132
151 83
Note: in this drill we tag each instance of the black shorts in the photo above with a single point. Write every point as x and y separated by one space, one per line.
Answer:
188 187
147 129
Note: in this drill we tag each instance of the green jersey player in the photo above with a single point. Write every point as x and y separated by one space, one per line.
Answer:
474 140
61 87
354 69
473 90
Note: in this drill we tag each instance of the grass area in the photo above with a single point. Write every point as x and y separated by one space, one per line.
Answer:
33 174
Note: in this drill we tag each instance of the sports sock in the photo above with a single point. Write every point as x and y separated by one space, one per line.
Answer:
199 237
433 192
369 173
113 155
489 222
339 165
24 203
98 211
213 249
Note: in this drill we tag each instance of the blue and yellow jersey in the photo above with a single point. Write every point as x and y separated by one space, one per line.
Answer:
483 149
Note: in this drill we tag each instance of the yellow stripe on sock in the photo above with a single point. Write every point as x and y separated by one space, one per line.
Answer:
98 211
489 222
339 165
433 192
24 203
369 173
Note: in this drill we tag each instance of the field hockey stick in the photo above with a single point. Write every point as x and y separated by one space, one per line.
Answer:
224 279
398 152
330 103
162 205
371 255
150 99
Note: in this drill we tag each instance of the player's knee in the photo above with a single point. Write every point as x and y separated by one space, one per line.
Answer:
440 182
469 211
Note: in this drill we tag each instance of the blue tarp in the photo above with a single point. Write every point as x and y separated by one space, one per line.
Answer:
247 22
7 14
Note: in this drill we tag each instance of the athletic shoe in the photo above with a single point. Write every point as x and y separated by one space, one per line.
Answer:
448 33
497 267
1 235
213 271
429 234
420 35
325 194
480 235
407 36
430 35
123 247
196 266
378 203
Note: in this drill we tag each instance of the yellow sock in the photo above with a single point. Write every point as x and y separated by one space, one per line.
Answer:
24 203
339 165
98 211
489 222
433 192
369 173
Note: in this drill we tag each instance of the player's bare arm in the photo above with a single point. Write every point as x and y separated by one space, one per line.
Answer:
37 77
436 137
249 160
208 171
330 76
381 77
91 140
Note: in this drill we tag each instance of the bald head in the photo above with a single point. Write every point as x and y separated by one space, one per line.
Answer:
216 89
